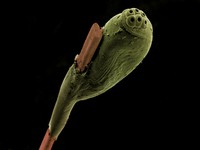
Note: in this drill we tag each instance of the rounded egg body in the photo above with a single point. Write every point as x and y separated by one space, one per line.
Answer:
127 38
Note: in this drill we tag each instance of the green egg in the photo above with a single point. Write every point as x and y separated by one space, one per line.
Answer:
127 38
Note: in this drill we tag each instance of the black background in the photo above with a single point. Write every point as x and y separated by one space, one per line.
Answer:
155 106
